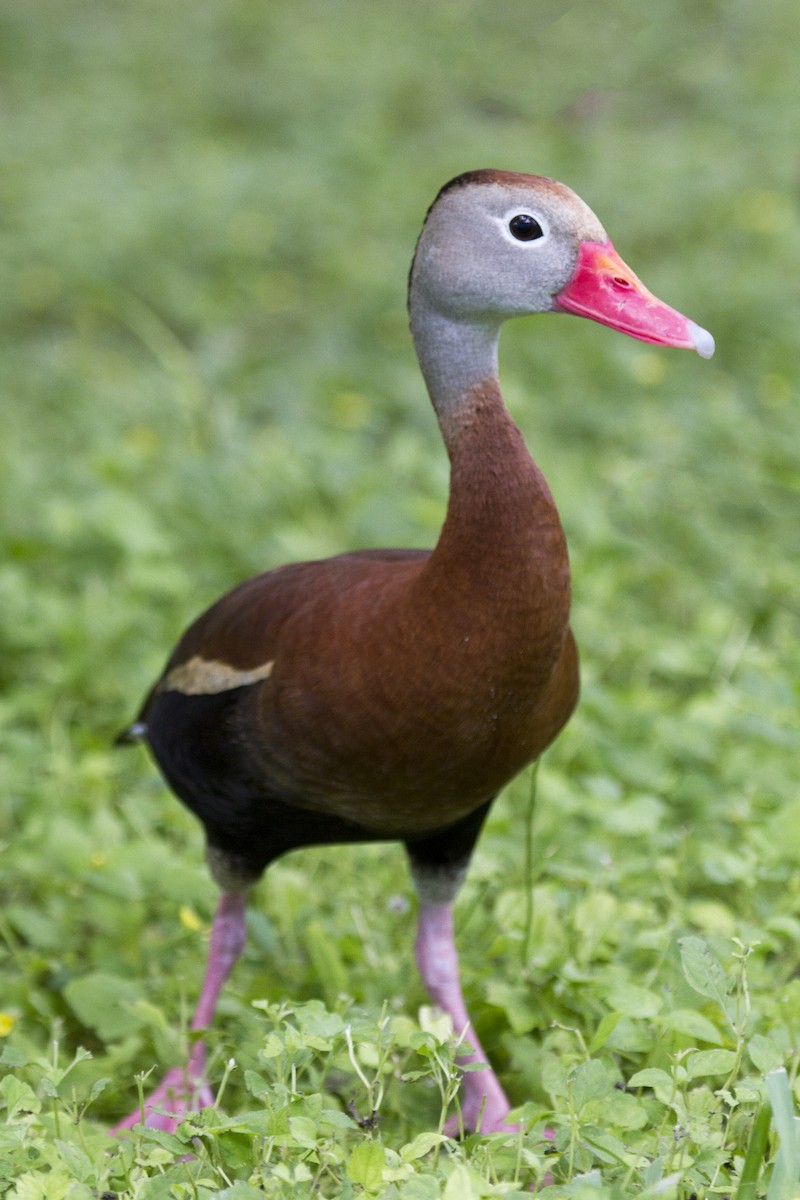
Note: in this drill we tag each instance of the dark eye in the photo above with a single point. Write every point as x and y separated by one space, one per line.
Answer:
525 228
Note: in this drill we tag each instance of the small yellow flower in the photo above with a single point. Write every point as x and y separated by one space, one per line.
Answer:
189 918
6 1023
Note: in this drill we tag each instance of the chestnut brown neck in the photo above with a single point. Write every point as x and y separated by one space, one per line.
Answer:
502 543
501 559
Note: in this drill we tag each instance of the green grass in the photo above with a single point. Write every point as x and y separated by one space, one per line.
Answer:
209 210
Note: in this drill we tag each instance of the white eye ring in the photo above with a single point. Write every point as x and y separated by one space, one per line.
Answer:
539 223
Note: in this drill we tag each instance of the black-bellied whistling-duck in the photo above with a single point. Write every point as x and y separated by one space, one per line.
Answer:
390 694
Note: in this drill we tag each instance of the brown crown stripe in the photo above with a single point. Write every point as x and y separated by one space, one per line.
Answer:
204 677
492 175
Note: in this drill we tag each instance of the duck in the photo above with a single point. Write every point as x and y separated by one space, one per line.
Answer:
391 694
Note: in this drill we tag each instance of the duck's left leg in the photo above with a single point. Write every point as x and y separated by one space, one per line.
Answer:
438 867
185 1088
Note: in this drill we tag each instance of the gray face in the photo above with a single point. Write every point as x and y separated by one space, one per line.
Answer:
470 265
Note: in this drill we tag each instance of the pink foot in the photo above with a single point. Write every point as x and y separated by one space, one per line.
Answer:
180 1092
484 1106
184 1089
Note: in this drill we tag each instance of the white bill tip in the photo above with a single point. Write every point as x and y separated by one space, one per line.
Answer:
703 341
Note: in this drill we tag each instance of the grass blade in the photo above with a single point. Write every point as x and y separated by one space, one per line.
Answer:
756 1150
785 1177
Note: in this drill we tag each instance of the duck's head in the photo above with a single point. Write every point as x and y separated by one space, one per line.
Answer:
497 244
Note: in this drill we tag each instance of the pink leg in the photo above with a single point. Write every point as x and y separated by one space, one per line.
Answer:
438 966
184 1088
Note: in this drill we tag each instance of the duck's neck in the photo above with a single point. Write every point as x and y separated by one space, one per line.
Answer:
502 541
455 356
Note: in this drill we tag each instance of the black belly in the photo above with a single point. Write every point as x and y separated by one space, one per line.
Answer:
202 753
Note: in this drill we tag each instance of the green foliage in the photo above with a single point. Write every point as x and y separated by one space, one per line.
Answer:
209 210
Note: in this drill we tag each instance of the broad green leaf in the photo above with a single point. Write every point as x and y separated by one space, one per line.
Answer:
691 1023
365 1165
333 1121
256 1084
604 1030
703 971
589 1081
304 1131
235 1148
651 1077
34 926
654 1172
169 1141
463 1185
607 1147
19 1096
78 1162
240 1191
764 1054
554 1077
422 1144
98 1087
105 1003
623 1110
420 1187
272 1046
518 1003
316 1021
12 1056
710 1062
633 1001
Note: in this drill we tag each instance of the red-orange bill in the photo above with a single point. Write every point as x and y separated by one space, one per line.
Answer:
605 289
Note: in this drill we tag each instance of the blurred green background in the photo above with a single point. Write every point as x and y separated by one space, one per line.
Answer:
208 212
